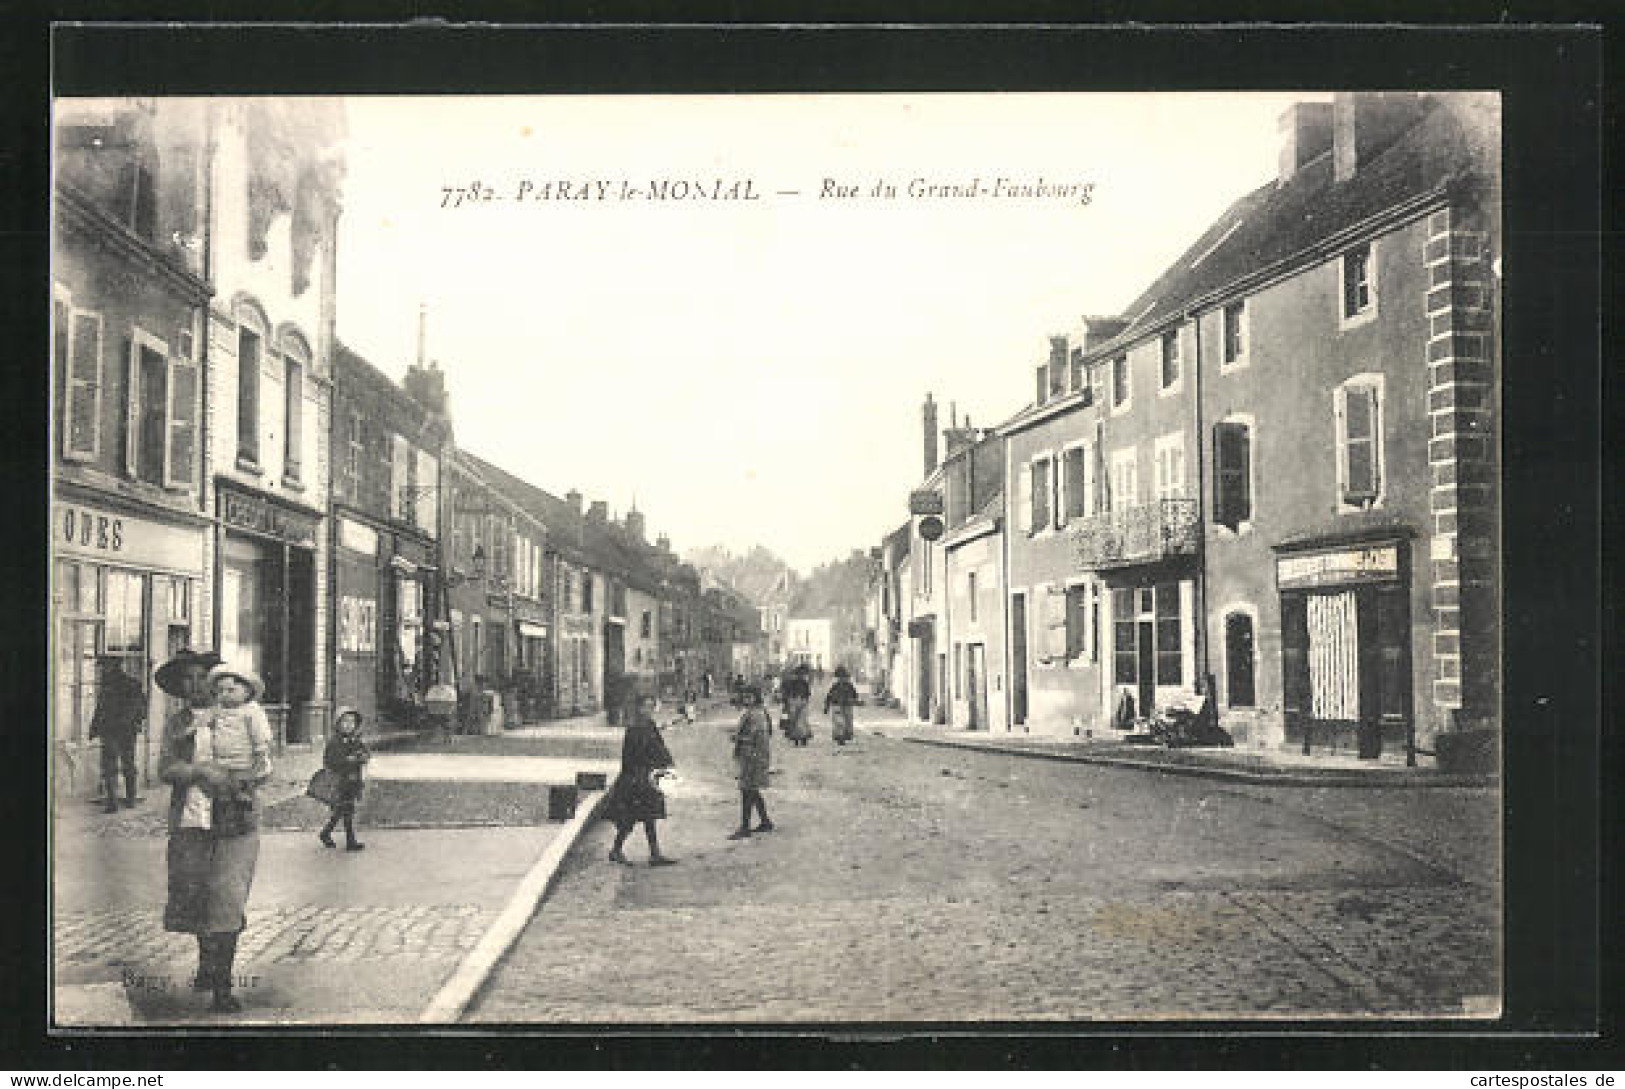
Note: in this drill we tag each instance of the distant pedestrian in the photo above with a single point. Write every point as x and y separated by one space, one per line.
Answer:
635 797
214 839
796 693
752 757
346 756
121 709
841 696
705 684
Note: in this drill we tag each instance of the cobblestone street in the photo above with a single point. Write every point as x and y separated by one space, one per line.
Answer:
905 882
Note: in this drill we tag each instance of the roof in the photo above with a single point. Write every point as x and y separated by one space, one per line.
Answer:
565 528
349 366
1274 224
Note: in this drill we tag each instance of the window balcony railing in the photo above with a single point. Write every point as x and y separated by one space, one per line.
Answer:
1144 534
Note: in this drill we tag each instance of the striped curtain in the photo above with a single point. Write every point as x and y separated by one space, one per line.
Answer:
1334 656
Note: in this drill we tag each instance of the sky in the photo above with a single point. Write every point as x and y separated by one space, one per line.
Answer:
751 371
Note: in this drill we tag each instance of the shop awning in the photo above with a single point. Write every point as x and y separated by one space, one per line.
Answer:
532 631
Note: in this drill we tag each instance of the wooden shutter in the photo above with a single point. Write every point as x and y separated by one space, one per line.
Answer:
1057 493
399 476
132 406
81 430
1075 461
1024 499
1394 667
1232 498
181 447
293 396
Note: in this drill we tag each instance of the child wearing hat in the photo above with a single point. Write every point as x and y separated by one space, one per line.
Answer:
345 756
237 738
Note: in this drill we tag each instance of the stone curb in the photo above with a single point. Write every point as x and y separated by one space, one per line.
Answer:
1327 777
454 996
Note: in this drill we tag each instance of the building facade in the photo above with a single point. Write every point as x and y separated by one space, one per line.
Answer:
129 521
387 449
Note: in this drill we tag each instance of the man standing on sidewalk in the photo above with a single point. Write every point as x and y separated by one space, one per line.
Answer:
121 706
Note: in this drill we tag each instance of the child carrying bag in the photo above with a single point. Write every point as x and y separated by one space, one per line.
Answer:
324 787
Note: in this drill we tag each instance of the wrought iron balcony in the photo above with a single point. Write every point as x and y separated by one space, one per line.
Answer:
1144 534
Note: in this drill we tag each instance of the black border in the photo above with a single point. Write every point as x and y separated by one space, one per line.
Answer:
1551 77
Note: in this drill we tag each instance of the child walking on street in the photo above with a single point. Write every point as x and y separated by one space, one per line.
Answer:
345 756
752 757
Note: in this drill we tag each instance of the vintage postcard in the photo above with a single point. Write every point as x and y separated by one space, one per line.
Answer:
792 559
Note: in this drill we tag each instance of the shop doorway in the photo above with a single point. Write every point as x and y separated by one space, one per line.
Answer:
976 686
1345 657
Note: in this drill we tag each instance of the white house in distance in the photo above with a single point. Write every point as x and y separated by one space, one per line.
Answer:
808 642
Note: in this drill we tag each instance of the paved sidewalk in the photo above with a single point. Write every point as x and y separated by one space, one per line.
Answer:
1262 766
333 937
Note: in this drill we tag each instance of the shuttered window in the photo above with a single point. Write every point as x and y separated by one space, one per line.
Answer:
1170 359
248 395
1357 281
181 454
1041 495
1024 498
293 400
1075 462
400 478
1121 390
81 435
1077 622
1295 658
1232 474
147 404
1359 426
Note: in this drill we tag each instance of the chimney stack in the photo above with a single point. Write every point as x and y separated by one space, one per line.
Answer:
634 524
1306 132
663 543
427 386
598 512
573 498
1366 123
929 415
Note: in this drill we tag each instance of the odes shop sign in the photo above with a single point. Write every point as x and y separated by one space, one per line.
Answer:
113 536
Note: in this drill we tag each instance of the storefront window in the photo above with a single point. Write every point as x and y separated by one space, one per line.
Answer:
243 604
101 610
1123 648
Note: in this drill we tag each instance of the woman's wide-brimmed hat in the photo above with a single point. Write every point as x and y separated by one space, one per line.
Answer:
841 671
247 676
169 675
338 717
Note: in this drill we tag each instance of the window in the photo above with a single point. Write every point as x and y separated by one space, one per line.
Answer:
1170 359
293 400
1232 474
137 203
425 475
1170 454
402 468
78 353
1041 495
1075 463
161 419
1077 622
1359 298
1169 659
1240 691
1235 334
1125 481
586 591
970 593
1124 650
1358 406
248 396
353 454
1121 391
148 405
959 670
1097 384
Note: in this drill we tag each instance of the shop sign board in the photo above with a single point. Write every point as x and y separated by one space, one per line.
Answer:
1364 563
257 514
358 537
82 530
925 501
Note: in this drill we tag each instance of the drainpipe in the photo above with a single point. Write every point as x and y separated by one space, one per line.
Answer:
1201 517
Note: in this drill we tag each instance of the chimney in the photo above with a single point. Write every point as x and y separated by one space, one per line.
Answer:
1365 123
573 498
1057 366
598 512
1306 131
929 417
427 386
663 543
634 523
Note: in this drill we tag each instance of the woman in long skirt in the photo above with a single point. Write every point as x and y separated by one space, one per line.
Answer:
752 758
214 839
797 693
838 703
635 797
